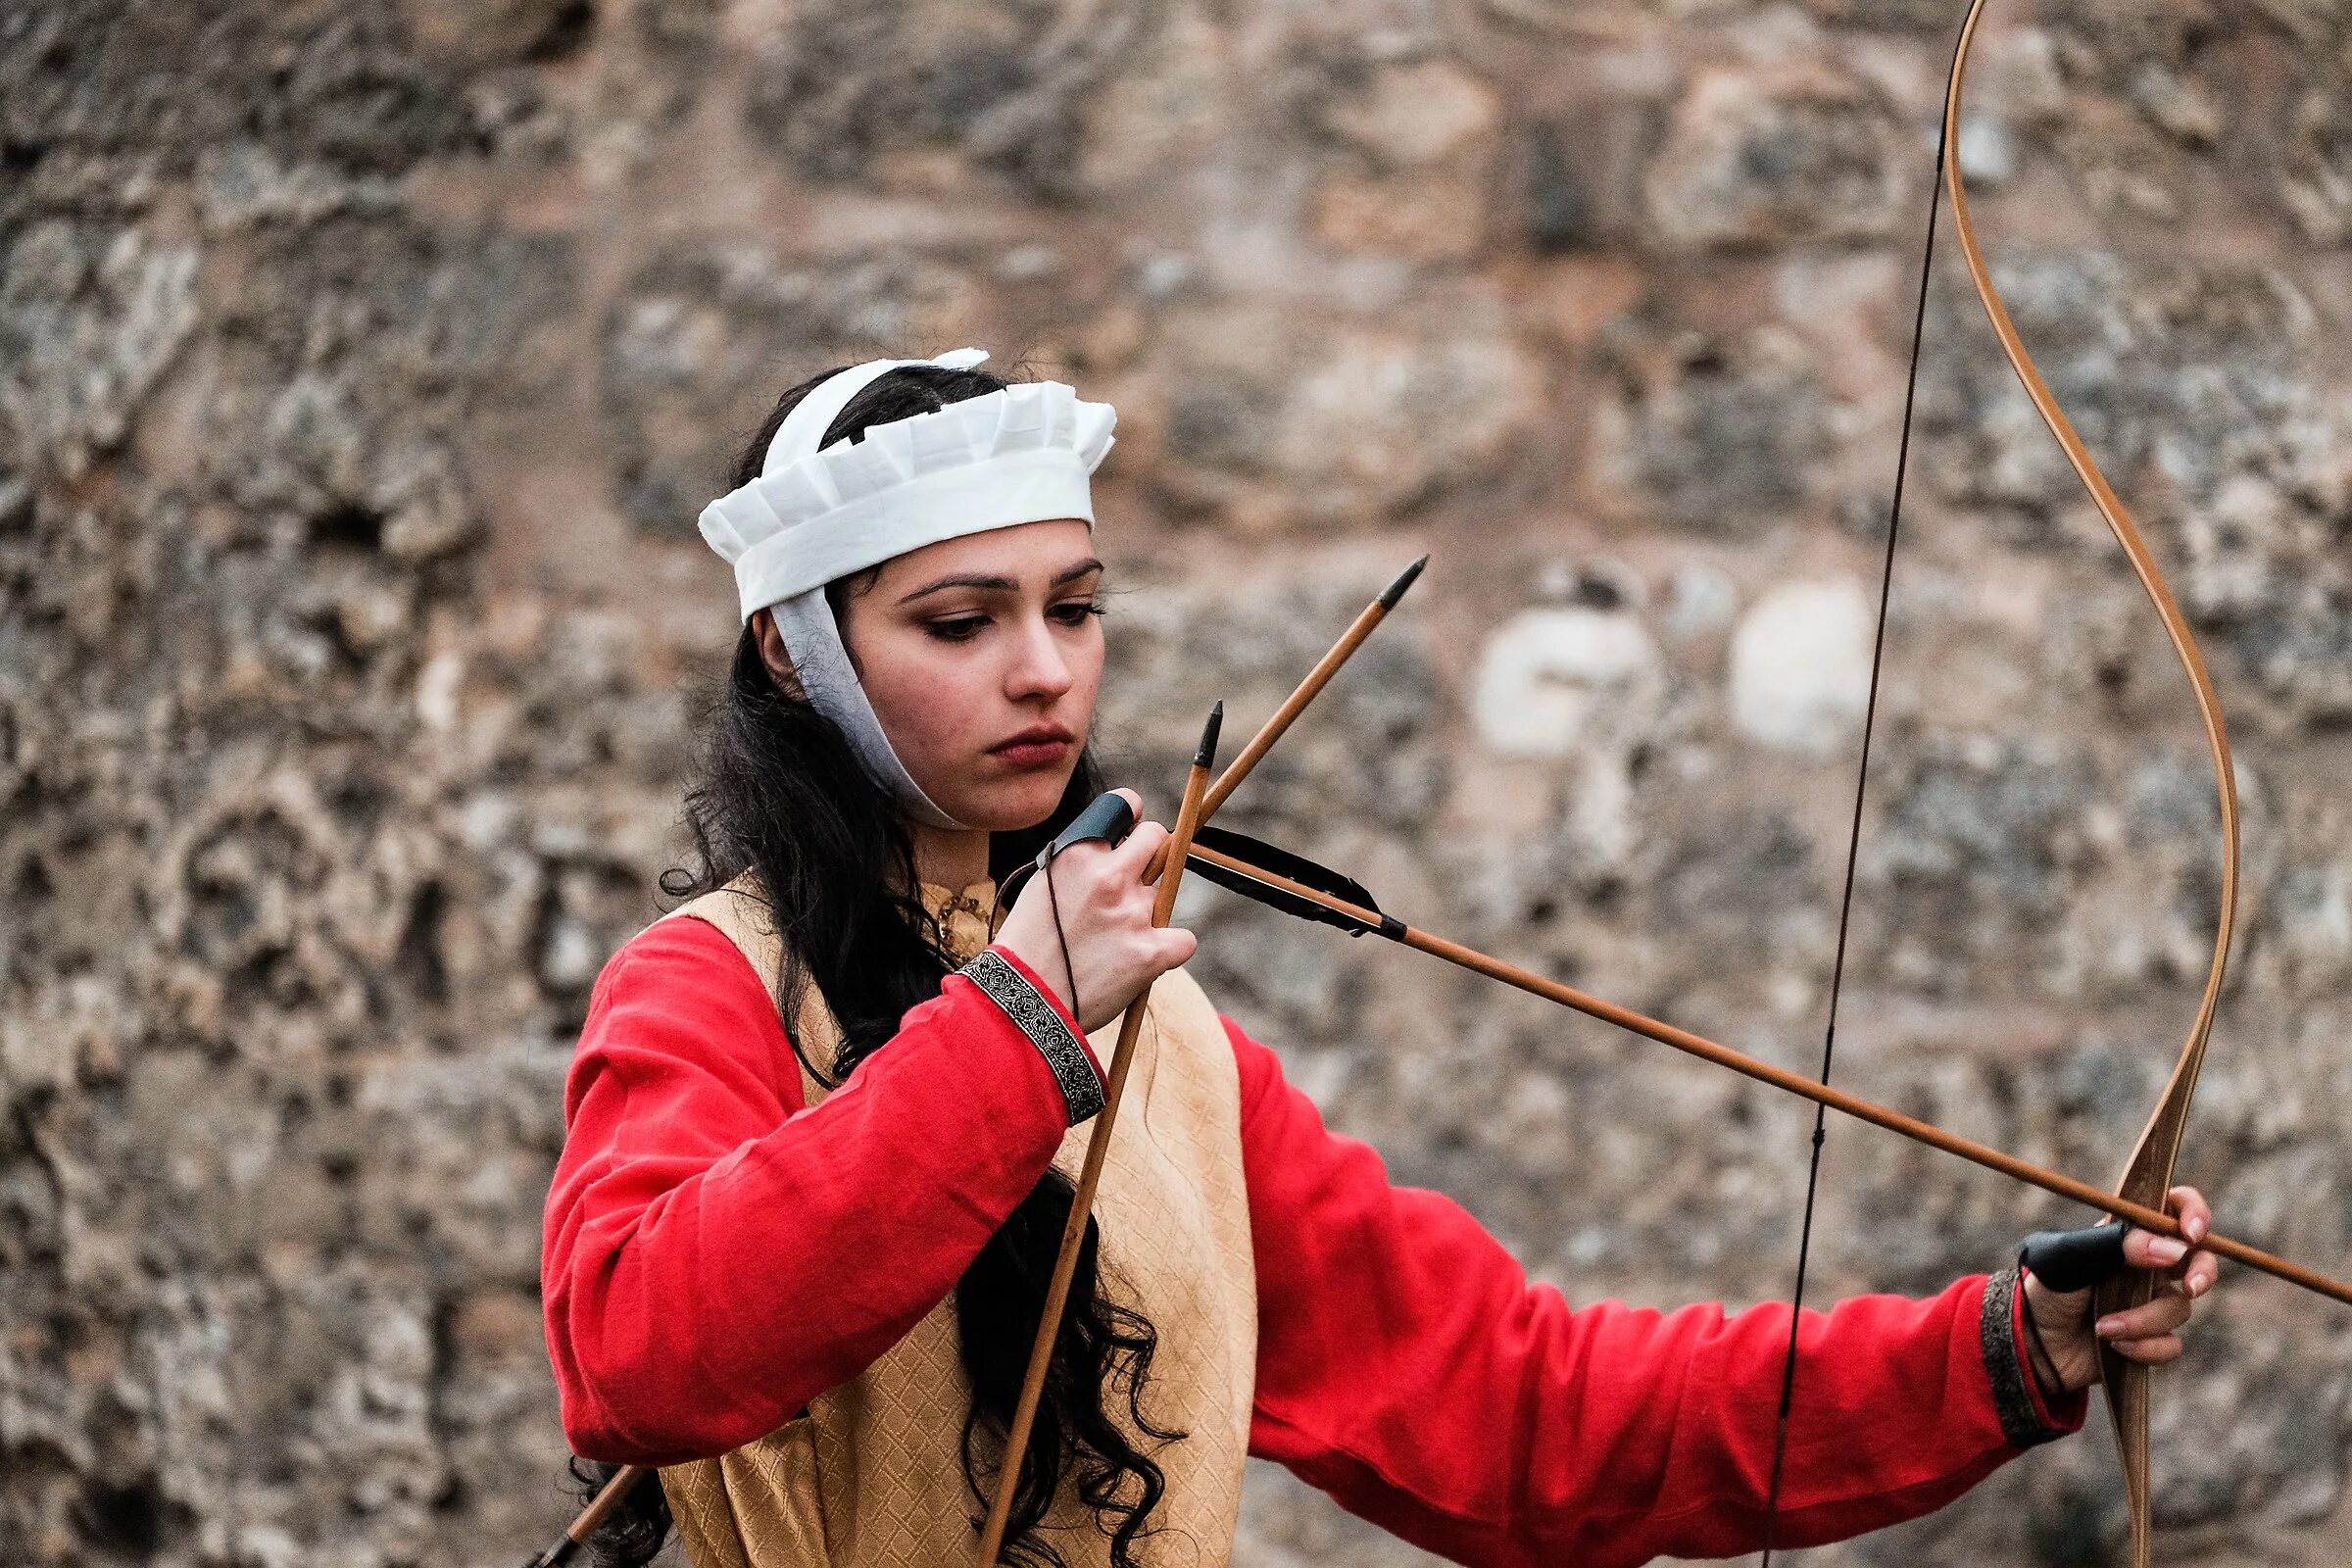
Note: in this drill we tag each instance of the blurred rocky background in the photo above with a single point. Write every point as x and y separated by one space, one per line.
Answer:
363 369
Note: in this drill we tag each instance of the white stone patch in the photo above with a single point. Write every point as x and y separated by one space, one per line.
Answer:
1547 674
437 688
1601 814
1800 665
571 957
1987 152
1700 600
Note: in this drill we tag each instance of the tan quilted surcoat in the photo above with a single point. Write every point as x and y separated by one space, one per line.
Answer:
872 1476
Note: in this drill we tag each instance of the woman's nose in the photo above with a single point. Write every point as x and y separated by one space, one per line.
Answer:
1041 665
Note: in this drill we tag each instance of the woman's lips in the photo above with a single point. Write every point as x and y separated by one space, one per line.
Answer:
1033 750
1032 753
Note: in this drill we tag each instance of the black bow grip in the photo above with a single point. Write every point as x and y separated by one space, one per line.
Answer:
2075 1260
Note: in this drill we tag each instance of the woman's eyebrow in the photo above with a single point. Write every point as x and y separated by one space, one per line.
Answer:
968 579
1006 584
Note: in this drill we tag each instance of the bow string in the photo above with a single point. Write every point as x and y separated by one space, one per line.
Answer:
1853 851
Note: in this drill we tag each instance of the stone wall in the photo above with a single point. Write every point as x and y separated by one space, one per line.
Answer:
362 367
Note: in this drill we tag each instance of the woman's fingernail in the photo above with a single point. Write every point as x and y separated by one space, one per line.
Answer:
2107 1326
2168 1250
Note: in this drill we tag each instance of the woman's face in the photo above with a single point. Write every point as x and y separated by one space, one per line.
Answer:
969 645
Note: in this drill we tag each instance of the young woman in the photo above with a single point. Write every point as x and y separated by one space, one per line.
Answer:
823 1116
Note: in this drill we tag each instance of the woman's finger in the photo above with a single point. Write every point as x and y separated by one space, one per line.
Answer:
2154 1352
1134 853
2166 1313
2189 1207
2147 1249
2203 1272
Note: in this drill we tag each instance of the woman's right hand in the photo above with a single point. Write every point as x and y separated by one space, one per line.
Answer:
1105 905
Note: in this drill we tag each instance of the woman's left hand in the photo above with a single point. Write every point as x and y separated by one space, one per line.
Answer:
2149 1333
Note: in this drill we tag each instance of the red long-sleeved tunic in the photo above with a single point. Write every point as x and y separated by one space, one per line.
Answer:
1405 1364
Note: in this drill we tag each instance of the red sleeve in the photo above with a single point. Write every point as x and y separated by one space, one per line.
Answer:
714 1255
1407 1367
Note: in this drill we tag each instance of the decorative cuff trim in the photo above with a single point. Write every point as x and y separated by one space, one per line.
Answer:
1036 1017
2013 1398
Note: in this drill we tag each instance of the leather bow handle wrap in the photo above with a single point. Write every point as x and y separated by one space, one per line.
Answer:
2148 1174
2073 1260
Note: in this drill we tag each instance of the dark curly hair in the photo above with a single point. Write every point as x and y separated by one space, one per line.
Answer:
780 792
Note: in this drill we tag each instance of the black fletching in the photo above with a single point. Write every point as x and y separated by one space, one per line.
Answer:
1283 864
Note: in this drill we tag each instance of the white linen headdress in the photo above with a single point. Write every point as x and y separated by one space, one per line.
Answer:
1021 454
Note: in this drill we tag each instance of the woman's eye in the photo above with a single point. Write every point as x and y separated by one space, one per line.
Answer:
962 629
1074 613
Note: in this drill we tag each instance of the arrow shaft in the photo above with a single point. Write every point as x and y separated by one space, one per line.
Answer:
1090 1175
1794 1083
1201 801
1273 729
1296 704
568 1545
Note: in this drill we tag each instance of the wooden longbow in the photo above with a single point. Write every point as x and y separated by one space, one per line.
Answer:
2149 1173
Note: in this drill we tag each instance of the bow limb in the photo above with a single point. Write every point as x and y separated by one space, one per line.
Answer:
2150 1172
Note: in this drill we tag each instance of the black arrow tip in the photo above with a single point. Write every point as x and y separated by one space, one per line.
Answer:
1405 579
1206 755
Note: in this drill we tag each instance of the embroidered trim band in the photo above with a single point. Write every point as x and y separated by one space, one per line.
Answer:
1036 1017
2011 1395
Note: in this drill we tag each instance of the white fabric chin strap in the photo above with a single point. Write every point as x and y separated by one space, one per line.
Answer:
816 514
